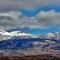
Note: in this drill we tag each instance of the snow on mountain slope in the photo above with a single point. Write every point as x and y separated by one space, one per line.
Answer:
7 35
53 35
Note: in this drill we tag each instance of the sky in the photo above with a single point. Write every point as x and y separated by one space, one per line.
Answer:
32 16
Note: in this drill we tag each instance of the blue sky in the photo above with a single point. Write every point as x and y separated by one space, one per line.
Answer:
33 12
32 16
41 31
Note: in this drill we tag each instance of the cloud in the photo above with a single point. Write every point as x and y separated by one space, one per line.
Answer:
50 18
42 20
9 5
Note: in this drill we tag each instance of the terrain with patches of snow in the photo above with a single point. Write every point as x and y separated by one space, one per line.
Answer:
20 43
18 39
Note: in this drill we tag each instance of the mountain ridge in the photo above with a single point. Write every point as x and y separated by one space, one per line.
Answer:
52 35
8 35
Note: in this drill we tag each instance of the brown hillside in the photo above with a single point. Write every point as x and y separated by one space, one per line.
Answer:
30 57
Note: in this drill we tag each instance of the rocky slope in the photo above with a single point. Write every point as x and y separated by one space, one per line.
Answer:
30 54
30 57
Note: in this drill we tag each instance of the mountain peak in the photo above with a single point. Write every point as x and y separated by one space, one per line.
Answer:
52 35
7 35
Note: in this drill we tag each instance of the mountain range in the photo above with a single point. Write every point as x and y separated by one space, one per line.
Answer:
52 35
26 43
8 35
4 35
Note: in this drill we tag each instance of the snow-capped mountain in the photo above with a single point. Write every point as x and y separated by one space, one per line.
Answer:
14 34
53 35
8 35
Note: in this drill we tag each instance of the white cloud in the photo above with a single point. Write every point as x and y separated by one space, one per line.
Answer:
42 20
